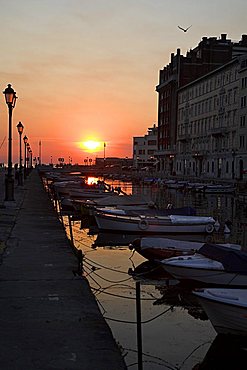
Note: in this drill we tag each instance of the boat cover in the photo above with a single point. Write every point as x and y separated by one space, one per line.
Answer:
231 259
183 211
191 220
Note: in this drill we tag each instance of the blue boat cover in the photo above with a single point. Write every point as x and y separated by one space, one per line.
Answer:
232 260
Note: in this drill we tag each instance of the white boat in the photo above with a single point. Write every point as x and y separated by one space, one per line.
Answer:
154 224
226 309
219 188
126 202
215 265
154 248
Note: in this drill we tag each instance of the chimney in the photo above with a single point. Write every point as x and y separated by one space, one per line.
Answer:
244 40
223 36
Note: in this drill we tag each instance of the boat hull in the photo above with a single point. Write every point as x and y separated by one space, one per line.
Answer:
226 317
148 225
206 276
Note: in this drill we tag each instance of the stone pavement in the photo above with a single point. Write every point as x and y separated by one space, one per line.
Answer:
49 318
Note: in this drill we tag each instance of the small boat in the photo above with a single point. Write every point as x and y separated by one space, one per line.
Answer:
155 249
226 309
154 224
127 202
219 188
213 264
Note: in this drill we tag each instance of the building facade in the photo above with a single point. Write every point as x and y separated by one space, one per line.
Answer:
210 54
144 149
212 124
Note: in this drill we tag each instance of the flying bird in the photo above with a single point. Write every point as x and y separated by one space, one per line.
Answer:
184 29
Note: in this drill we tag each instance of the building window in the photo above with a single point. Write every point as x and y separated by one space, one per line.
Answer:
242 121
243 101
242 141
227 167
244 82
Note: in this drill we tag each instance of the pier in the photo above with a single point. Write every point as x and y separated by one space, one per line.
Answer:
49 318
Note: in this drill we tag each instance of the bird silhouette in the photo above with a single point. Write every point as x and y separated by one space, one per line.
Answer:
184 29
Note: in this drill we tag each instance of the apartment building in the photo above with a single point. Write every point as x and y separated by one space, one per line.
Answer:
144 149
212 124
208 55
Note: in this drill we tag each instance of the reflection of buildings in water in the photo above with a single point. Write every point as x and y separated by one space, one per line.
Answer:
151 273
180 295
173 293
114 239
226 352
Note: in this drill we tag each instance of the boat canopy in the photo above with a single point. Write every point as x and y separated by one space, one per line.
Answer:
231 259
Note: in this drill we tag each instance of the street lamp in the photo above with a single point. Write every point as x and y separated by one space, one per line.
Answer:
25 139
10 98
31 159
104 154
20 128
28 157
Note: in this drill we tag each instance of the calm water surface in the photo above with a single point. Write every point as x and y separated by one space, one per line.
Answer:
175 332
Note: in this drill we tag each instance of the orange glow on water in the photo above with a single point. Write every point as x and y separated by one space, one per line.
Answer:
92 180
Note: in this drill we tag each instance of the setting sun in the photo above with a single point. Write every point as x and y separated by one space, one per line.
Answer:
91 145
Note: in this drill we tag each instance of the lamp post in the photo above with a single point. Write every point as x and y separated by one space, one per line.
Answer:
25 139
31 159
20 128
10 98
104 153
28 158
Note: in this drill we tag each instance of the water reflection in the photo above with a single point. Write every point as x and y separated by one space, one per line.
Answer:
114 239
174 332
173 293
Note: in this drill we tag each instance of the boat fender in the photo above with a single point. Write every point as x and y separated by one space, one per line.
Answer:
143 224
209 228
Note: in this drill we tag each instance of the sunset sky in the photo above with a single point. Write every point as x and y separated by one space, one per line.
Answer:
87 70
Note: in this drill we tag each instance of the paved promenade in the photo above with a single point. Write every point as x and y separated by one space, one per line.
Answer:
49 318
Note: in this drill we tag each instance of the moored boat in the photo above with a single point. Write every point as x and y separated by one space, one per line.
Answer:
213 264
154 248
226 309
154 224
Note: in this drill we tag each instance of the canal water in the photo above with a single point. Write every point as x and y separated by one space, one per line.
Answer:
157 323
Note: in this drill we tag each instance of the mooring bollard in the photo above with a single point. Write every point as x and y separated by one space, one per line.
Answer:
80 261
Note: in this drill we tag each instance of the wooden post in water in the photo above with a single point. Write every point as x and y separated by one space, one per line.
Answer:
139 325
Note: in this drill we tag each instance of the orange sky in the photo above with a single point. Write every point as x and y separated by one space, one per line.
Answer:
88 70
